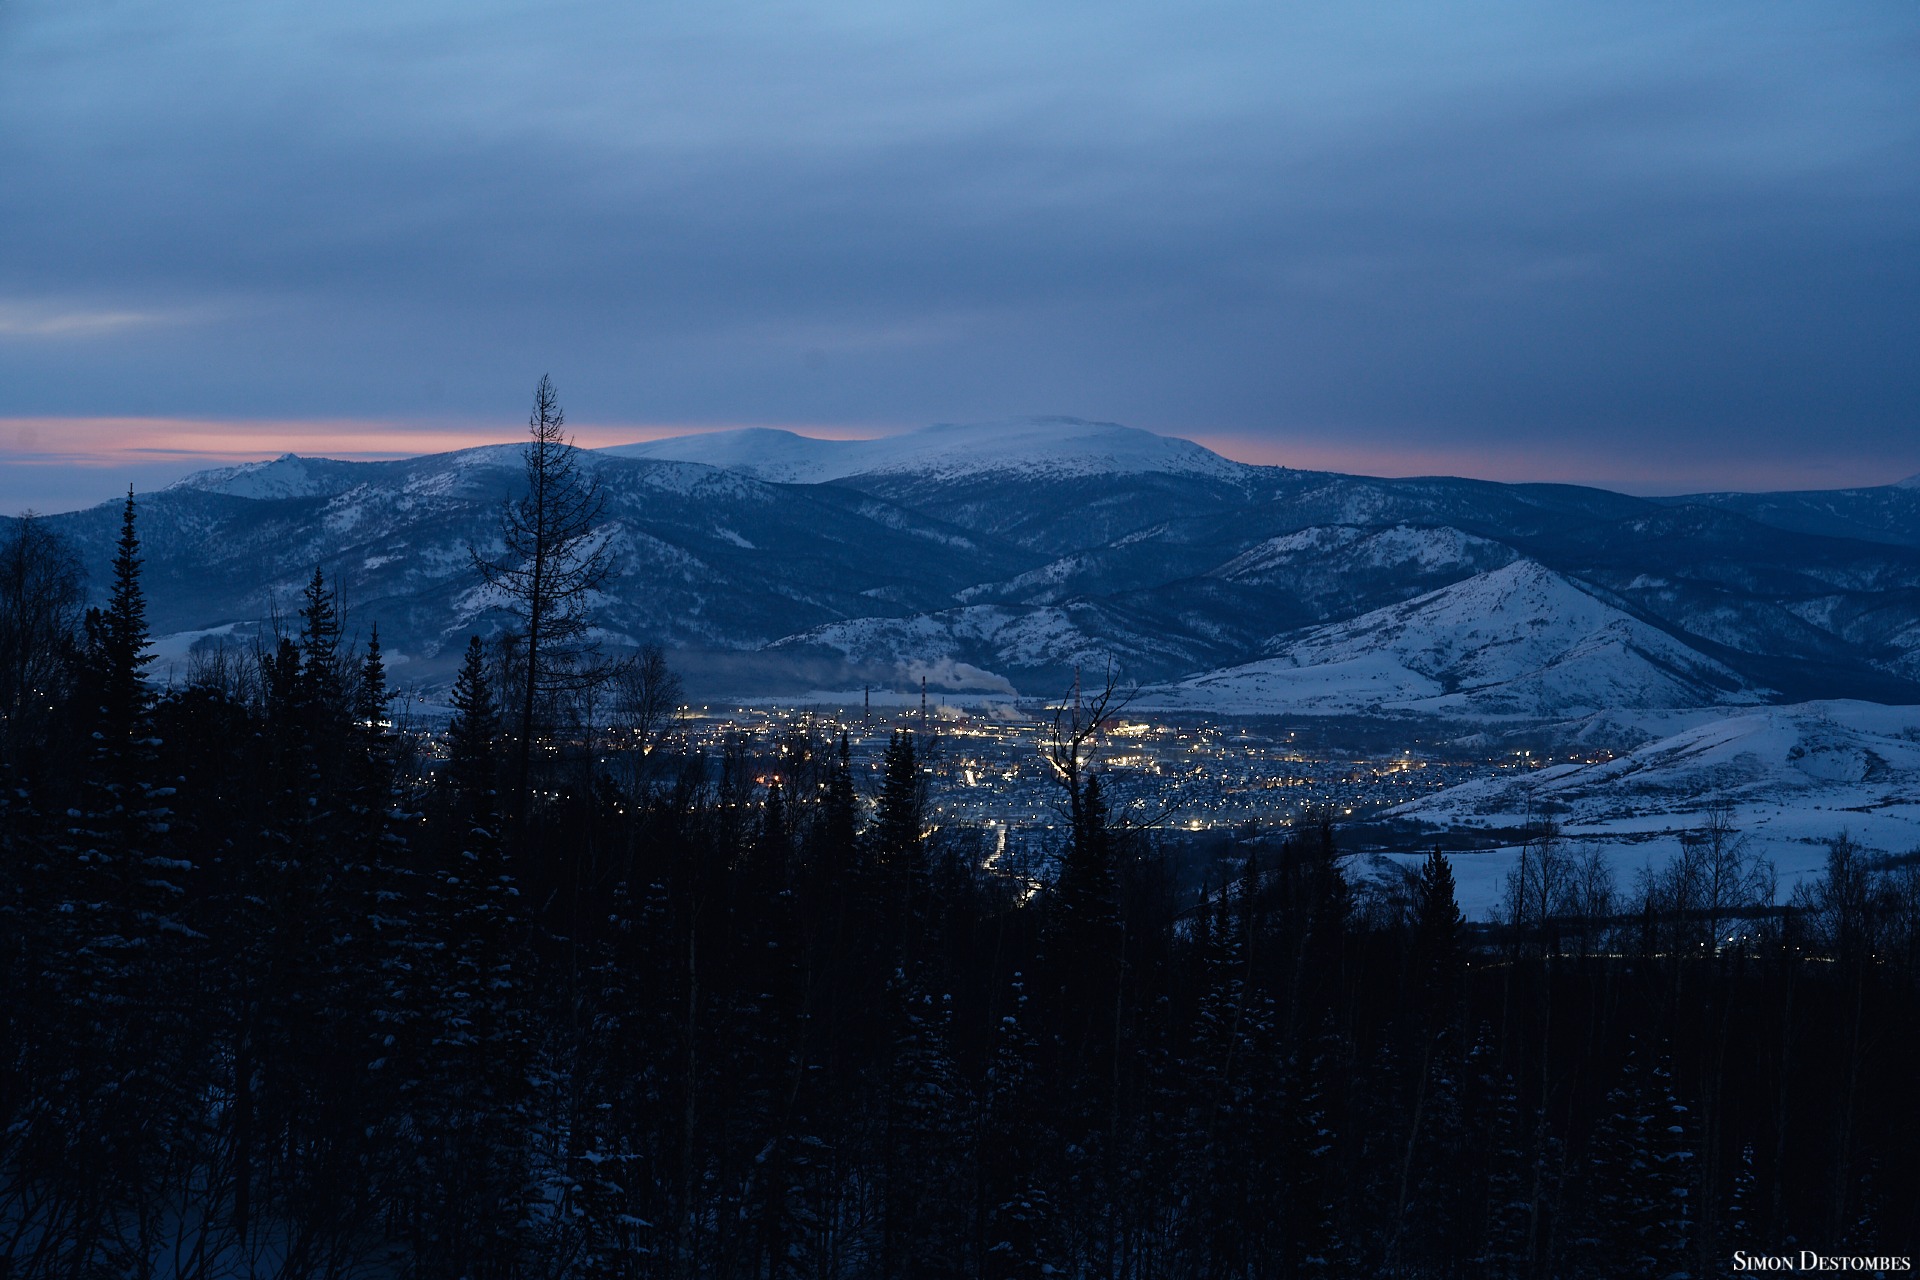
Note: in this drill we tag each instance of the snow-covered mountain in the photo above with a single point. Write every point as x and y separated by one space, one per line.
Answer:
707 558
1018 551
287 476
1046 448
1519 641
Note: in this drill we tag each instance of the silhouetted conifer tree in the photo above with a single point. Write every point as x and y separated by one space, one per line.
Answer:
1437 925
1083 935
478 1109
115 1098
899 842
1505 1207
928 1170
1020 1227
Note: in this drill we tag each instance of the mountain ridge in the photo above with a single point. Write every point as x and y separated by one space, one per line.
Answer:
1055 446
1025 548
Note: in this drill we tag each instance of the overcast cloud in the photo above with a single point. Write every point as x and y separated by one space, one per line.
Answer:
1641 244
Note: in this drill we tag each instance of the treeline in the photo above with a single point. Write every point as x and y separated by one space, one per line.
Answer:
287 995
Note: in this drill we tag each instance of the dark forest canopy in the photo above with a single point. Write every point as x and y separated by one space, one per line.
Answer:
289 995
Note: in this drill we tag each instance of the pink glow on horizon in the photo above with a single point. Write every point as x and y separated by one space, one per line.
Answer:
109 442
190 443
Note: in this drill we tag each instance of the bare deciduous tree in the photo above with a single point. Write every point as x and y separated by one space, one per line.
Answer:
42 588
1537 886
646 694
1714 878
1591 898
1073 738
1733 877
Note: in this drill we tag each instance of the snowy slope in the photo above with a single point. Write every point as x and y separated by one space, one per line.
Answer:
768 454
704 558
1795 776
1035 447
1350 549
1517 641
287 476
1040 644
1861 752
292 476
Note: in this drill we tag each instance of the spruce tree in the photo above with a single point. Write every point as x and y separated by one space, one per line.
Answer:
928 1172
1742 1207
321 686
1433 1215
1625 1189
764 1048
124 826
472 735
899 839
380 828
479 1106
1313 1242
1505 1174
1020 1218
838 907
371 695
832 856
1216 1091
1674 1177
1083 932
1437 926
115 968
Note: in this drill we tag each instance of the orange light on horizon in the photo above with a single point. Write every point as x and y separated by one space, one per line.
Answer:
193 442
113 441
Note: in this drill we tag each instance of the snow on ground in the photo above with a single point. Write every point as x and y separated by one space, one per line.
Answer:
1401 546
287 476
1034 446
1796 776
1519 641
175 645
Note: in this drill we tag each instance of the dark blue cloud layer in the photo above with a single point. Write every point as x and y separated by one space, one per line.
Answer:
1684 235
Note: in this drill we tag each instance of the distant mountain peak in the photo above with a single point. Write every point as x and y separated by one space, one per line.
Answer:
1043 446
287 476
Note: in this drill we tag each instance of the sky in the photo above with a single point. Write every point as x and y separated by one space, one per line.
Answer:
1656 247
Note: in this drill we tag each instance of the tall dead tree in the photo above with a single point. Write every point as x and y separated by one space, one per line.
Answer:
552 564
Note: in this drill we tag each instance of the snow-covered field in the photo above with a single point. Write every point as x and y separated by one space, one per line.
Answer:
1796 776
